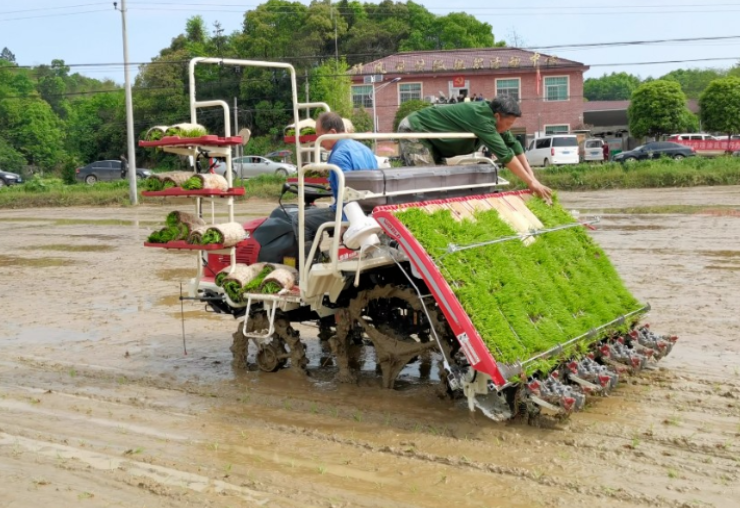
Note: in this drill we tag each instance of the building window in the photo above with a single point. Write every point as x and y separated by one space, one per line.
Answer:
556 129
362 96
508 88
409 92
556 88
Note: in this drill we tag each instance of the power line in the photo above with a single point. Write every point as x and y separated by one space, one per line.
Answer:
54 8
55 15
634 43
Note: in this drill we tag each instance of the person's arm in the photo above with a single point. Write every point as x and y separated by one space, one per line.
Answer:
506 155
525 163
544 192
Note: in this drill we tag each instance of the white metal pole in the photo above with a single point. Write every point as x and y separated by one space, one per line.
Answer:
375 118
133 194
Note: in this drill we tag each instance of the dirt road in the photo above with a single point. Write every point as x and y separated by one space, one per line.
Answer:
99 406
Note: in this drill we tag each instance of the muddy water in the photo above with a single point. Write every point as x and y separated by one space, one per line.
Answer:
100 405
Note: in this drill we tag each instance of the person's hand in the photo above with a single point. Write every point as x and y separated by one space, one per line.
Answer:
542 191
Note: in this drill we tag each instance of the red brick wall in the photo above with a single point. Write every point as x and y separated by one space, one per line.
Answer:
536 112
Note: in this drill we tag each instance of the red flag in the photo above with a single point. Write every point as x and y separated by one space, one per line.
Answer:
538 81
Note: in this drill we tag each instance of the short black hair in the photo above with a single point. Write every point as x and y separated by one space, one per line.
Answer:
331 120
506 106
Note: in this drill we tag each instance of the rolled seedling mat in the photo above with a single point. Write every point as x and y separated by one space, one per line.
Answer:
242 275
206 181
227 234
196 235
282 277
253 285
178 231
177 217
175 178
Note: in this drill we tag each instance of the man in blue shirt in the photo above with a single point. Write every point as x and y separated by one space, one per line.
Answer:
348 155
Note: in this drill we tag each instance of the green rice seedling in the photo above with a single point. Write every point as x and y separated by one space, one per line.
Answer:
526 299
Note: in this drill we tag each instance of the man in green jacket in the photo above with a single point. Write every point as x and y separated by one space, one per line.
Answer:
489 121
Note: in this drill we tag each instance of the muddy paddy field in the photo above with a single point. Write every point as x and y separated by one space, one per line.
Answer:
99 405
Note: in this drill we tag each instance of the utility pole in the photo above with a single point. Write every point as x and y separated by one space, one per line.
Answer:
131 163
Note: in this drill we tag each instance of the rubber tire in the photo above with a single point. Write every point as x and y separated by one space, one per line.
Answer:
678 157
91 179
2 183
234 176
546 163
281 172
630 160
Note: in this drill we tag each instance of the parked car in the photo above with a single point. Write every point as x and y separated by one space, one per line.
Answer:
253 165
554 149
655 150
593 150
105 171
736 153
8 178
693 136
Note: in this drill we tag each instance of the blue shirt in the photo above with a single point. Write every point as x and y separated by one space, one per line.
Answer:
349 155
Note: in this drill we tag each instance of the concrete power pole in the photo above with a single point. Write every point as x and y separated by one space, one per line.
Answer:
133 194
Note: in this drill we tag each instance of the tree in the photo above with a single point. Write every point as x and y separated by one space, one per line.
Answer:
7 55
406 109
33 129
362 120
617 86
330 83
720 106
694 81
656 108
10 158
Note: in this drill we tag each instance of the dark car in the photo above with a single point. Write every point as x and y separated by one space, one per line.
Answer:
8 178
655 150
105 171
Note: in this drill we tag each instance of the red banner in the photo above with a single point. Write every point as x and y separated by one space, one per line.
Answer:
717 146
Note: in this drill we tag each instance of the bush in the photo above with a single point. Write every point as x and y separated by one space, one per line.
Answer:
406 109
69 169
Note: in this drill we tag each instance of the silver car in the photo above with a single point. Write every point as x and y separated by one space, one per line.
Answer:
249 166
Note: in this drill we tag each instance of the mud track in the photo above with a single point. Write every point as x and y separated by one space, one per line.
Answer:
99 406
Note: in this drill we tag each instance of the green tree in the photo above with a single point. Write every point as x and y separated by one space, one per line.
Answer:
7 55
617 86
330 83
362 120
694 81
33 129
406 109
656 108
720 106
10 158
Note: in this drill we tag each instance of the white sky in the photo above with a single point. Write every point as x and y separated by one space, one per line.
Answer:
89 31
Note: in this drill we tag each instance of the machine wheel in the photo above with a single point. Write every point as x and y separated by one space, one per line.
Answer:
234 176
546 163
393 318
678 157
268 359
91 179
630 160
2 183
281 172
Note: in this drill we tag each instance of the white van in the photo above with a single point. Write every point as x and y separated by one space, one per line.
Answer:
555 149
593 150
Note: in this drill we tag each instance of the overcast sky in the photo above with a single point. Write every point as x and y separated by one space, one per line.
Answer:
89 31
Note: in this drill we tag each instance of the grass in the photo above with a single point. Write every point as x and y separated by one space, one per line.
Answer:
692 172
52 192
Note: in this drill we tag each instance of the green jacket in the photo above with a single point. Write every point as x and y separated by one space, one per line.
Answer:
474 117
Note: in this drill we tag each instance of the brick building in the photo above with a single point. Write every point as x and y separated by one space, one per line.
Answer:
552 106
